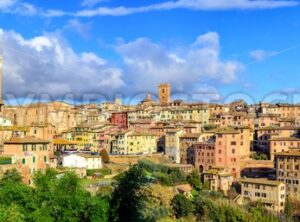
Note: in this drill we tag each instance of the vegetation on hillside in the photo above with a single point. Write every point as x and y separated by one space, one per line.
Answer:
133 197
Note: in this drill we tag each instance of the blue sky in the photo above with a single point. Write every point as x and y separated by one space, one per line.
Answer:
219 49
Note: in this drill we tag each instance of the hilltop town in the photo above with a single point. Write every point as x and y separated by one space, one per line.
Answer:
256 145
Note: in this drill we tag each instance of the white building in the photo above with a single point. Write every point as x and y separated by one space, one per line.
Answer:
80 160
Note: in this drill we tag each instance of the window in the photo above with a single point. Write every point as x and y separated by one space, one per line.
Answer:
264 195
23 161
233 151
257 194
246 193
24 148
33 159
33 147
45 158
233 143
256 186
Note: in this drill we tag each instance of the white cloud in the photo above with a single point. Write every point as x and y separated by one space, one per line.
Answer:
5 4
148 63
260 55
55 13
47 64
82 29
89 57
13 6
90 3
25 9
189 4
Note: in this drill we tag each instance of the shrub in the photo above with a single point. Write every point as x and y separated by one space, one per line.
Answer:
181 205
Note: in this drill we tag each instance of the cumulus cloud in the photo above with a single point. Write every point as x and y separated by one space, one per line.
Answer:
147 63
260 55
47 64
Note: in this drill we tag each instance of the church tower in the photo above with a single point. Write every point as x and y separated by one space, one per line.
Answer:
164 93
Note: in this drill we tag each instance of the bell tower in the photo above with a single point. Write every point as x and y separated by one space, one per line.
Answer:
164 93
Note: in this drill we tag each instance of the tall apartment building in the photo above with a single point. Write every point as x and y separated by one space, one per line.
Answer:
287 165
228 150
164 93
232 146
172 144
202 156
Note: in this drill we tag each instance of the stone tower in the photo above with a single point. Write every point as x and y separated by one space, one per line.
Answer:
164 93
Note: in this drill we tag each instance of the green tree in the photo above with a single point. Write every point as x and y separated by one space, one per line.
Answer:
181 205
205 209
98 209
64 199
20 196
177 176
11 214
194 180
129 196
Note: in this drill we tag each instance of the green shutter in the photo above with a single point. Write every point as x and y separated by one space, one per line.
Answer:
23 161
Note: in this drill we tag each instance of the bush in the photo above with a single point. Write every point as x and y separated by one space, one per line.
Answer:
163 178
182 206
259 156
177 177
194 180
163 174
